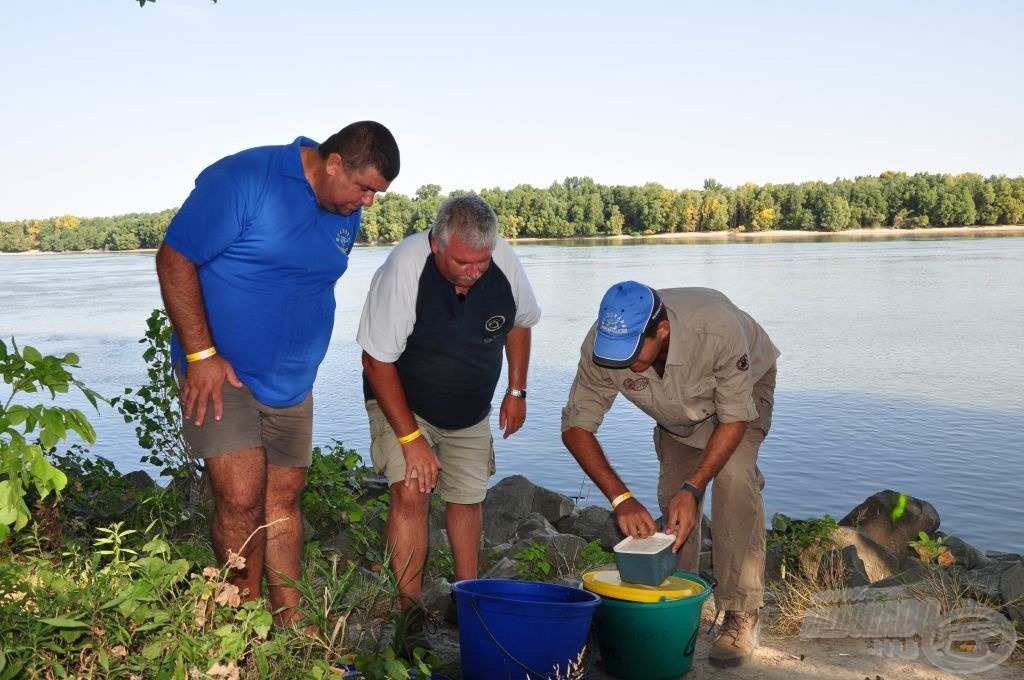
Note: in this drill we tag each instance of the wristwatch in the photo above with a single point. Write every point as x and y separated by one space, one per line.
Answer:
692 490
513 392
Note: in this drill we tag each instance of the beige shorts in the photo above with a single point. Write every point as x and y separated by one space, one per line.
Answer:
466 455
286 434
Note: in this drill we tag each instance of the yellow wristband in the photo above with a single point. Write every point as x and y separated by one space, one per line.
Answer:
199 356
622 497
412 436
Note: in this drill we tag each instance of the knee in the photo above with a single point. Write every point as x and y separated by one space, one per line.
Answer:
407 502
247 508
739 479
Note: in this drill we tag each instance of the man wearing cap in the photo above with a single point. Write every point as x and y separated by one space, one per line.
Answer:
705 371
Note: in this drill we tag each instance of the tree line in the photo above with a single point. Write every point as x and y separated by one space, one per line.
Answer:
579 207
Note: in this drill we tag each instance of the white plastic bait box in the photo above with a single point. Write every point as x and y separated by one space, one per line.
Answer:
645 560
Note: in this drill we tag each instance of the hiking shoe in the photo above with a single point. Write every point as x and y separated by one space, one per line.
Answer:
736 640
411 631
451 615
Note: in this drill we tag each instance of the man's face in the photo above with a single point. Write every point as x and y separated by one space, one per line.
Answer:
460 264
649 352
345 191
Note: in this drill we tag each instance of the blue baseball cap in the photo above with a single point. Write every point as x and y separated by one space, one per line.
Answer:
625 311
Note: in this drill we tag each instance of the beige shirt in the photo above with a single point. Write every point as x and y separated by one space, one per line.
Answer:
716 353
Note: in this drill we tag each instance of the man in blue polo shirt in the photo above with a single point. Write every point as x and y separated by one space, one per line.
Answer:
439 313
247 272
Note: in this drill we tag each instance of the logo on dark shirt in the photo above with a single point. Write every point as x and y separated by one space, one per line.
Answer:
495 323
637 385
743 363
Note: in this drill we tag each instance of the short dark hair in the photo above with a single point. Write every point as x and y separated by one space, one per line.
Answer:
362 144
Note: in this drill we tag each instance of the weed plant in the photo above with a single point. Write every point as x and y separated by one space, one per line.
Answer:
100 579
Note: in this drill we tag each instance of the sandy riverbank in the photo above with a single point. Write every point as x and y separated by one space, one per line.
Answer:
802 235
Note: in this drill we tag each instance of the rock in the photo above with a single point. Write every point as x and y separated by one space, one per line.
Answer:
1011 592
535 522
874 519
140 479
854 570
878 563
507 504
593 524
553 506
965 553
503 568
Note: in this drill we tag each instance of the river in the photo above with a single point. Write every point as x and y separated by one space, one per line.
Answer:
901 362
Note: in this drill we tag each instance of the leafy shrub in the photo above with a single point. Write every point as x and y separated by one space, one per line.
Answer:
23 465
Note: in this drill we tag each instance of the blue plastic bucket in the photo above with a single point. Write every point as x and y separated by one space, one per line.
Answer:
649 640
515 629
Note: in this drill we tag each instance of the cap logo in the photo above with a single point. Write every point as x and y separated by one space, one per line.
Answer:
743 363
612 323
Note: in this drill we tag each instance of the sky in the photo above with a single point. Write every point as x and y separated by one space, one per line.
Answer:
108 108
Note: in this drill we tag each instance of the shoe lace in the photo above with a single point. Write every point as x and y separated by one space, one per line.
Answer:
734 624
418 620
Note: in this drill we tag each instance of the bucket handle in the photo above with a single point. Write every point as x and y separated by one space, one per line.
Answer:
532 673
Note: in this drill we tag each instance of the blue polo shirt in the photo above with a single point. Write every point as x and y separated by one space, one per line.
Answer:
268 258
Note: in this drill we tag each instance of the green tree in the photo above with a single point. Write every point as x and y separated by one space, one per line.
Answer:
835 213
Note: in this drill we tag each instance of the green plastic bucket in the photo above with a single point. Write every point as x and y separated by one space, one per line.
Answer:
649 640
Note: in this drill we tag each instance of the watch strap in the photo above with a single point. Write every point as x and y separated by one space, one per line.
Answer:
693 491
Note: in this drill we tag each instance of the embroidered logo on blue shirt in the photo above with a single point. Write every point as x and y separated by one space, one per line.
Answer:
344 241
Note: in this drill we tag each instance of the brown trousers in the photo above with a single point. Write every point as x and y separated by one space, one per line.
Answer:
737 508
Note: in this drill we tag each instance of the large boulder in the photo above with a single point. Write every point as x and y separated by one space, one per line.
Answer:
875 518
593 524
878 562
507 504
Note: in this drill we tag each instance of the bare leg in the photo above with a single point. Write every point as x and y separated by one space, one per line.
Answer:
239 481
284 539
465 525
407 540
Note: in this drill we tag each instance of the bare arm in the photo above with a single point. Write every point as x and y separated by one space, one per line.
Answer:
512 414
633 518
387 387
683 510
183 299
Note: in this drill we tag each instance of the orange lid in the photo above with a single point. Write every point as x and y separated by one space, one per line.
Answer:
606 582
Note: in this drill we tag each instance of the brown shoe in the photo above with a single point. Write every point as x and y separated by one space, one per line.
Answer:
411 633
736 640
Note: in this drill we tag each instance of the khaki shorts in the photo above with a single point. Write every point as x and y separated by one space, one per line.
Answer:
286 434
466 455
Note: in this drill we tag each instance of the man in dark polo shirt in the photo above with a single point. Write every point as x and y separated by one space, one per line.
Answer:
439 314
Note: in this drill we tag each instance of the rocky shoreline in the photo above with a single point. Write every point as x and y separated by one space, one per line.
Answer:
871 546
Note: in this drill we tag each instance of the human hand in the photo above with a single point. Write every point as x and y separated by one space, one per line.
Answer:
421 459
634 520
683 515
203 383
512 415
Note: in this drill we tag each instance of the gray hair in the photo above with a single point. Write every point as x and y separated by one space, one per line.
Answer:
470 218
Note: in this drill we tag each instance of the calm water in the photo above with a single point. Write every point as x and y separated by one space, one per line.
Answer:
901 367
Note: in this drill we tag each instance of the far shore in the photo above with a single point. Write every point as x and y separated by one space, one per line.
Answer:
725 235
792 234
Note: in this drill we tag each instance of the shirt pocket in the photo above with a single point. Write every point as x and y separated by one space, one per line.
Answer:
698 399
